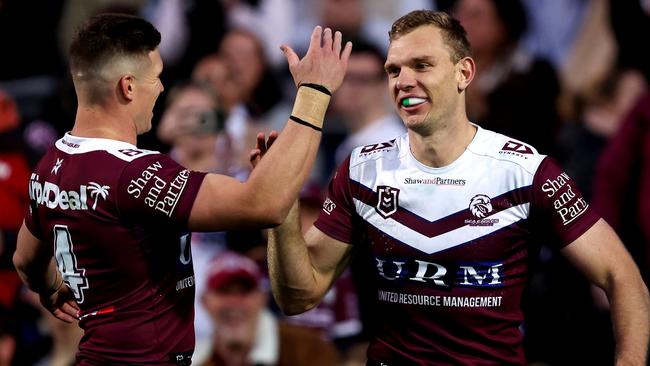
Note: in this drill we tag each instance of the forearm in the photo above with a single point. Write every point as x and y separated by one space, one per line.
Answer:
288 163
42 278
293 277
630 311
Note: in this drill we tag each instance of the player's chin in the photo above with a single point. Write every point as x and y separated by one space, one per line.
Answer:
145 128
412 120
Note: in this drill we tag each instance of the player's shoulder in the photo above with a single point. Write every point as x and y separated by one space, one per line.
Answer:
506 150
390 149
121 150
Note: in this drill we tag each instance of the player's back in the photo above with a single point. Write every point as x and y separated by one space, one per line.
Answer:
116 216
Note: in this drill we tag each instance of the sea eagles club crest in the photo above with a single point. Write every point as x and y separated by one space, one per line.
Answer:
387 200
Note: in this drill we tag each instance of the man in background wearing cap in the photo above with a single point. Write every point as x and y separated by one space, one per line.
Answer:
246 333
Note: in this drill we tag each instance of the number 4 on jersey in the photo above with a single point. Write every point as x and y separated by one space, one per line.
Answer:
66 262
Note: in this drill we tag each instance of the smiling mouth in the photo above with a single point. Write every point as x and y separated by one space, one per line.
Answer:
412 101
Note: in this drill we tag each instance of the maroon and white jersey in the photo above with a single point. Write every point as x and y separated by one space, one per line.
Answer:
451 244
116 217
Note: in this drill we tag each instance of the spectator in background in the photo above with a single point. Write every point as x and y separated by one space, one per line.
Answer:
502 98
258 87
245 332
192 124
190 30
7 337
337 316
599 111
14 175
361 102
357 19
621 191
239 127
272 21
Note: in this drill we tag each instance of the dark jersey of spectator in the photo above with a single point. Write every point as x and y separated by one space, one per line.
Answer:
621 191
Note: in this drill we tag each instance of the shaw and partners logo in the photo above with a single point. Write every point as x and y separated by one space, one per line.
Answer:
436 181
480 207
52 196
477 274
568 204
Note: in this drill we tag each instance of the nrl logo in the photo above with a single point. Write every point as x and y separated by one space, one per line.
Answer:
387 200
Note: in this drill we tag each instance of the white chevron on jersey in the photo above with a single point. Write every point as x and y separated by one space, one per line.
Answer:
444 241
493 163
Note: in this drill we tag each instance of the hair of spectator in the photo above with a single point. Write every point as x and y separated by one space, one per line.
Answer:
453 33
513 17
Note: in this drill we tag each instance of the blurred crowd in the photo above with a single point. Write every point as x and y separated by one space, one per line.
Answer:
569 77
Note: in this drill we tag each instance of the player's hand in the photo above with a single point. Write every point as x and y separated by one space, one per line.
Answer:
324 64
262 146
62 305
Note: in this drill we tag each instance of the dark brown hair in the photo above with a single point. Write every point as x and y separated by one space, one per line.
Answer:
453 33
105 36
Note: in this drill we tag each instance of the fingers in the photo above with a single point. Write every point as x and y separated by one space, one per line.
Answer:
316 36
254 157
261 143
64 316
346 52
70 310
272 137
337 43
290 54
327 39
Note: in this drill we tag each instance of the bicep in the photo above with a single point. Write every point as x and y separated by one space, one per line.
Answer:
224 203
30 250
599 254
328 256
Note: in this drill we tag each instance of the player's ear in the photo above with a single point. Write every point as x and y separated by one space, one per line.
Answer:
465 71
126 86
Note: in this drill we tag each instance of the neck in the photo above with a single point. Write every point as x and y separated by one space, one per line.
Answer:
95 121
233 352
443 146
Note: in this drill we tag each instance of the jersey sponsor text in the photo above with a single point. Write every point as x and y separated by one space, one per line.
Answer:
52 196
566 204
167 203
467 274
436 300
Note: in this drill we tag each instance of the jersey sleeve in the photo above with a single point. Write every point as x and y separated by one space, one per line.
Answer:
156 188
32 222
558 205
336 219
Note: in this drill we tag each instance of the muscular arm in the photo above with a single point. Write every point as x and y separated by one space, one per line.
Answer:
36 267
302 269
601 256
266 197
33 261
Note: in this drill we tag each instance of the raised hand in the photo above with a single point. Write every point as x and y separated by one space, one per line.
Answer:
261 147
325 63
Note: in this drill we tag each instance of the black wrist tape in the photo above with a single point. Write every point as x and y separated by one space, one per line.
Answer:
305 123
318 87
